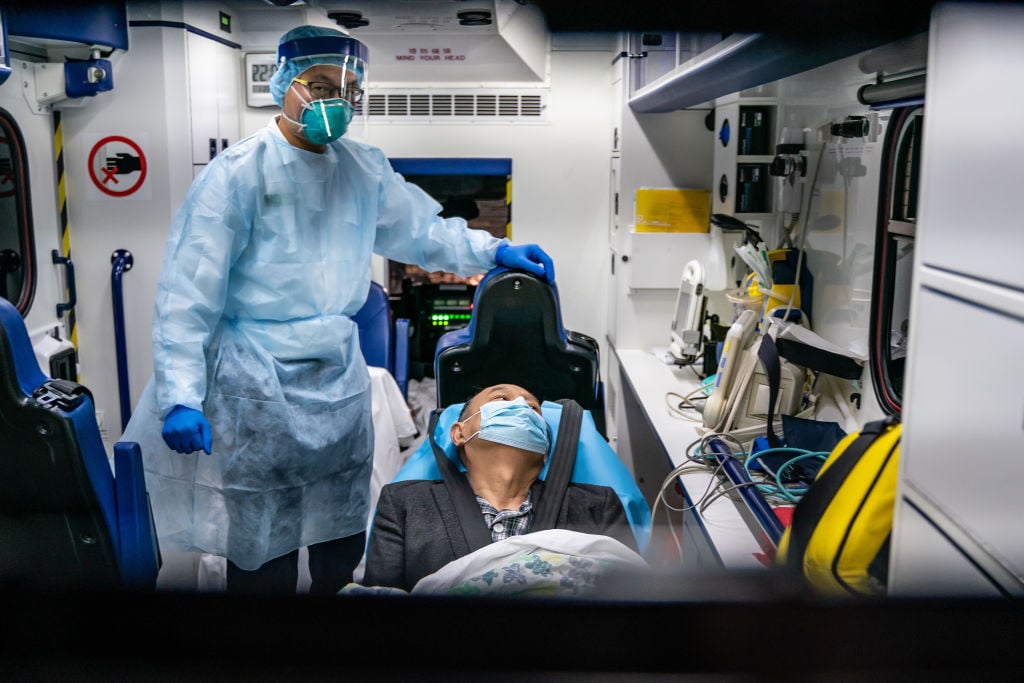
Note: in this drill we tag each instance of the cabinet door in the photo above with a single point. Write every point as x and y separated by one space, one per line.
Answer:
203 91
229 95
926 564
963 445
214 74
973 143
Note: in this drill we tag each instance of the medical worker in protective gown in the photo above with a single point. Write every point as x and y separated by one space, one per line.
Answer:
256 426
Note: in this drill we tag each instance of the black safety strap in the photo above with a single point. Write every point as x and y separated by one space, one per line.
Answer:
819 360
768 354
563 460
472 520
823 490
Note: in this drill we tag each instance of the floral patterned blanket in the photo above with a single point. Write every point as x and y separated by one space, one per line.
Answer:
548 563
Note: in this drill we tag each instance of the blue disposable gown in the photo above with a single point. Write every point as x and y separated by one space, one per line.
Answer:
266 260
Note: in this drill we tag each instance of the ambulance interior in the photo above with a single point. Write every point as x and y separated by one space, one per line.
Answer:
772 227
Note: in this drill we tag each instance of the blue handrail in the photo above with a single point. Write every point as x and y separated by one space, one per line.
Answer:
121 261
69 267
758 506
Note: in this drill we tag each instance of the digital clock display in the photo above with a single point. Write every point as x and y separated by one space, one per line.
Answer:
261 73
259 69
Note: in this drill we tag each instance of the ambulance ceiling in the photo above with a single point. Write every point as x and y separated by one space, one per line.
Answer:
446 41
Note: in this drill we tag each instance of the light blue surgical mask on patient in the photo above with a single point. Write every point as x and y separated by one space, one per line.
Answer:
513 423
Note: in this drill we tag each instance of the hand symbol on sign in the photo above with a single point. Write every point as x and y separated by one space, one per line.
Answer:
124 163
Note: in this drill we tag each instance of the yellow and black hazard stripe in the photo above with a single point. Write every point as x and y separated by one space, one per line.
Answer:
65 239
508 208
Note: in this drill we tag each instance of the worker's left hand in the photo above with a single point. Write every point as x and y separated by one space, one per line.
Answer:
528 257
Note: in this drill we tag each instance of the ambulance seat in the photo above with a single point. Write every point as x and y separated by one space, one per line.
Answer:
66 519
384 344
516 331
596 463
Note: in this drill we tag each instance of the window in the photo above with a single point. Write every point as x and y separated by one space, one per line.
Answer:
17 250
477 190
894 254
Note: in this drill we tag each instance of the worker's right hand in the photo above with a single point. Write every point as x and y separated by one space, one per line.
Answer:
186 430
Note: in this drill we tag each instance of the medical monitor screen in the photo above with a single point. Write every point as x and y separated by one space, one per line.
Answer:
688 321
681 321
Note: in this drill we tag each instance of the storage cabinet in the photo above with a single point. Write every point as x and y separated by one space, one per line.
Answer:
745 136
970 473
664 150
931 564
214 75
963 437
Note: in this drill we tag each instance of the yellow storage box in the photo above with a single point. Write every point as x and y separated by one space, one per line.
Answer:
672 210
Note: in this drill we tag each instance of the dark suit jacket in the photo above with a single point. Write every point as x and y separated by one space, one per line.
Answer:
416 530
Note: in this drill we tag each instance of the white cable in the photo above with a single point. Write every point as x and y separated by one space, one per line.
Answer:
676 411
669 479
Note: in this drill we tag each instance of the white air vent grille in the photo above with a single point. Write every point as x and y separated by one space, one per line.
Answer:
432 106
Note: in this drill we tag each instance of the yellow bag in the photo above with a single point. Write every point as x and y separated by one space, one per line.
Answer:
839 536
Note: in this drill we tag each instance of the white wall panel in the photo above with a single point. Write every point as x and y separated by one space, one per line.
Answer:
149 108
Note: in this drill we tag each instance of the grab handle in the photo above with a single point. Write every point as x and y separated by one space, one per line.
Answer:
121 261
69 269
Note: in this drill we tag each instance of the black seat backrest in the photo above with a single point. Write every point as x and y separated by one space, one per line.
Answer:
516 336
63 517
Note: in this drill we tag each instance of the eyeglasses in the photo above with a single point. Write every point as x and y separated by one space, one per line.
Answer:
325 91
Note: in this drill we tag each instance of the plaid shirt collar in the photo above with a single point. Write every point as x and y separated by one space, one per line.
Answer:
505 523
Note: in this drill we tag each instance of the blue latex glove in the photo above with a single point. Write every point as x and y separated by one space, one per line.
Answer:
528 257
186 430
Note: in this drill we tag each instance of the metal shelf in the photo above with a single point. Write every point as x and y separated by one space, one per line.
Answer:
743 61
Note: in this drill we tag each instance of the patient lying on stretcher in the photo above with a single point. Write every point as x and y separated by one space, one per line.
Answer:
502 441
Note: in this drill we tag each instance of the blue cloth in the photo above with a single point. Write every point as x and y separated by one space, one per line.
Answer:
596 463
266 260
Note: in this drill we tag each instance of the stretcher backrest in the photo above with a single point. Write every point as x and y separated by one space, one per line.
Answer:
516 332
65 519
385 344
596 463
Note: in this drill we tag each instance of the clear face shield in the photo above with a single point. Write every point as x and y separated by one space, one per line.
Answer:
326 71
359 100
331 95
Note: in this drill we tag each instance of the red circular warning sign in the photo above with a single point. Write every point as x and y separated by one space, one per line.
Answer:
120 169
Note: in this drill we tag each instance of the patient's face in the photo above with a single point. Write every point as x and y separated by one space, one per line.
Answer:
469 419
500 392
